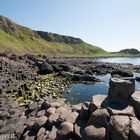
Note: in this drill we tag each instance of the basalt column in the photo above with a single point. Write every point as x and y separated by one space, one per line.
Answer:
121 88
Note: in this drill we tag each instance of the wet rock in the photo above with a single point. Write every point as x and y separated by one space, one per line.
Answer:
66 131
118 128
93 133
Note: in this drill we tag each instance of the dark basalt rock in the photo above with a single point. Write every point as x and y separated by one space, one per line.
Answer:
122 73
47 118
45 68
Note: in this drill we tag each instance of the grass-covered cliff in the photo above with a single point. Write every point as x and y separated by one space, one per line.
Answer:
18 39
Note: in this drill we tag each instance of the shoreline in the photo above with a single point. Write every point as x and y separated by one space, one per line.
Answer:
49 114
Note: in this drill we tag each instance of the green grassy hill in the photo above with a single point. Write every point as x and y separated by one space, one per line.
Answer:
132 51
18 39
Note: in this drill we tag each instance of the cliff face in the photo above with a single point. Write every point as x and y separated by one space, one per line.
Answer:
59 38
22 40
12 28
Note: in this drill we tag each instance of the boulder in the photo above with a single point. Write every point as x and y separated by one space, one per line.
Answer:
66 131
77 107
63 116
1 123
8 129
135 129
50 110
33 112
122 73
52 133
41 133
29 135
55 104
72 117
41 121
121 88
84 113
98 101
30 122
118 128
79 128
67 107
93 133
4 115
45 105
61 110
53 119
121 110
33 106
45 68
135 99
100 117
90 78
41 113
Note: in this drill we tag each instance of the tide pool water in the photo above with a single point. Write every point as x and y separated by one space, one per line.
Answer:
80 92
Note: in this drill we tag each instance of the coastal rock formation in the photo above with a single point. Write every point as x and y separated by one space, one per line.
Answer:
121 88
112 117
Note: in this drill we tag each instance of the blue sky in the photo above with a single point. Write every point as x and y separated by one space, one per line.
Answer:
110 24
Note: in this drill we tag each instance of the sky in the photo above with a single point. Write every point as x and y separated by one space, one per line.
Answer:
110 24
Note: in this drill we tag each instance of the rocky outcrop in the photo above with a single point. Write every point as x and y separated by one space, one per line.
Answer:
118 128
135 99
121 88
112 117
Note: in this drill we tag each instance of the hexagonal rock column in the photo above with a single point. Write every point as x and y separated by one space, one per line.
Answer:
135 99
121 88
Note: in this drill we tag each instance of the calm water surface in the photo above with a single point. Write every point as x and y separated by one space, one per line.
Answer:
132 60
80 92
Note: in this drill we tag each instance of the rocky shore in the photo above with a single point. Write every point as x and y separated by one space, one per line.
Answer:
31 106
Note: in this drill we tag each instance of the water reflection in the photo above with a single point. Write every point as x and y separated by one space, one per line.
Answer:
79 92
